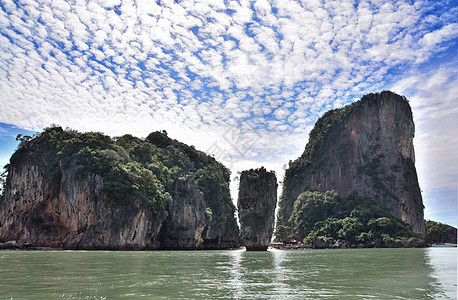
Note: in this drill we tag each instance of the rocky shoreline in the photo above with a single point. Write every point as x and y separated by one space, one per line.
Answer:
13 245
343 245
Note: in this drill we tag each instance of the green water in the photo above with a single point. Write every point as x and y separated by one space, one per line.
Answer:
296 274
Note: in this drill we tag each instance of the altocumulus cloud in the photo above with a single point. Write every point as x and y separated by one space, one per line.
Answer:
433 96
199 68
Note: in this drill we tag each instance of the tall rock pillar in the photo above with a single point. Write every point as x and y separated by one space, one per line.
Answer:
256 208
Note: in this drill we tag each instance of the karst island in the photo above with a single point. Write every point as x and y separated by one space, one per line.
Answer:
355 185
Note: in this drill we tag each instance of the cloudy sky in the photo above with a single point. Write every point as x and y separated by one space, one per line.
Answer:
243 80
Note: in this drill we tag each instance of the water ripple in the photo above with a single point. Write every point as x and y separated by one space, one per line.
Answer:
336 274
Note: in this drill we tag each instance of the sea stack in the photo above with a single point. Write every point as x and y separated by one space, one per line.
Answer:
367 148
256 208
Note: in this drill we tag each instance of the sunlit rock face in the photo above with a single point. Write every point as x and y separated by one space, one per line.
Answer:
73 217
365 147
256 207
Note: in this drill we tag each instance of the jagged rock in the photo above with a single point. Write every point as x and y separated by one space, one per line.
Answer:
364 147
10 245
256 207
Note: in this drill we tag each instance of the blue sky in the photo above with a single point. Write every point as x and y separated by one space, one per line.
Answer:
244 80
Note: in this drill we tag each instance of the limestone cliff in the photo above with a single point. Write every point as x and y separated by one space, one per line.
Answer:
72 217
256 207
191 221
89 191
364 147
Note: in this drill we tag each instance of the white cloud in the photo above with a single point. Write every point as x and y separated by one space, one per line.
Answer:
263 7
434 97
193 67
448 32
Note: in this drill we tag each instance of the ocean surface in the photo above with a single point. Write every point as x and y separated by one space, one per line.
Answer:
429 273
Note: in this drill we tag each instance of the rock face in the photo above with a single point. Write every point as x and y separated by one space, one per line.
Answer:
364 147
74 217
190 222
256 207
125 194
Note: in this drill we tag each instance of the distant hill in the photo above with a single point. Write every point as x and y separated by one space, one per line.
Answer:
440 233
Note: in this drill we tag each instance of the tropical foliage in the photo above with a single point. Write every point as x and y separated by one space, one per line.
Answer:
440 233
349 219
130 168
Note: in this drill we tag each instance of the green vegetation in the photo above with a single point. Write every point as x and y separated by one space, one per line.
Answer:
3 176
130 168
328 217
2 239
440 233
261 183
209 213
